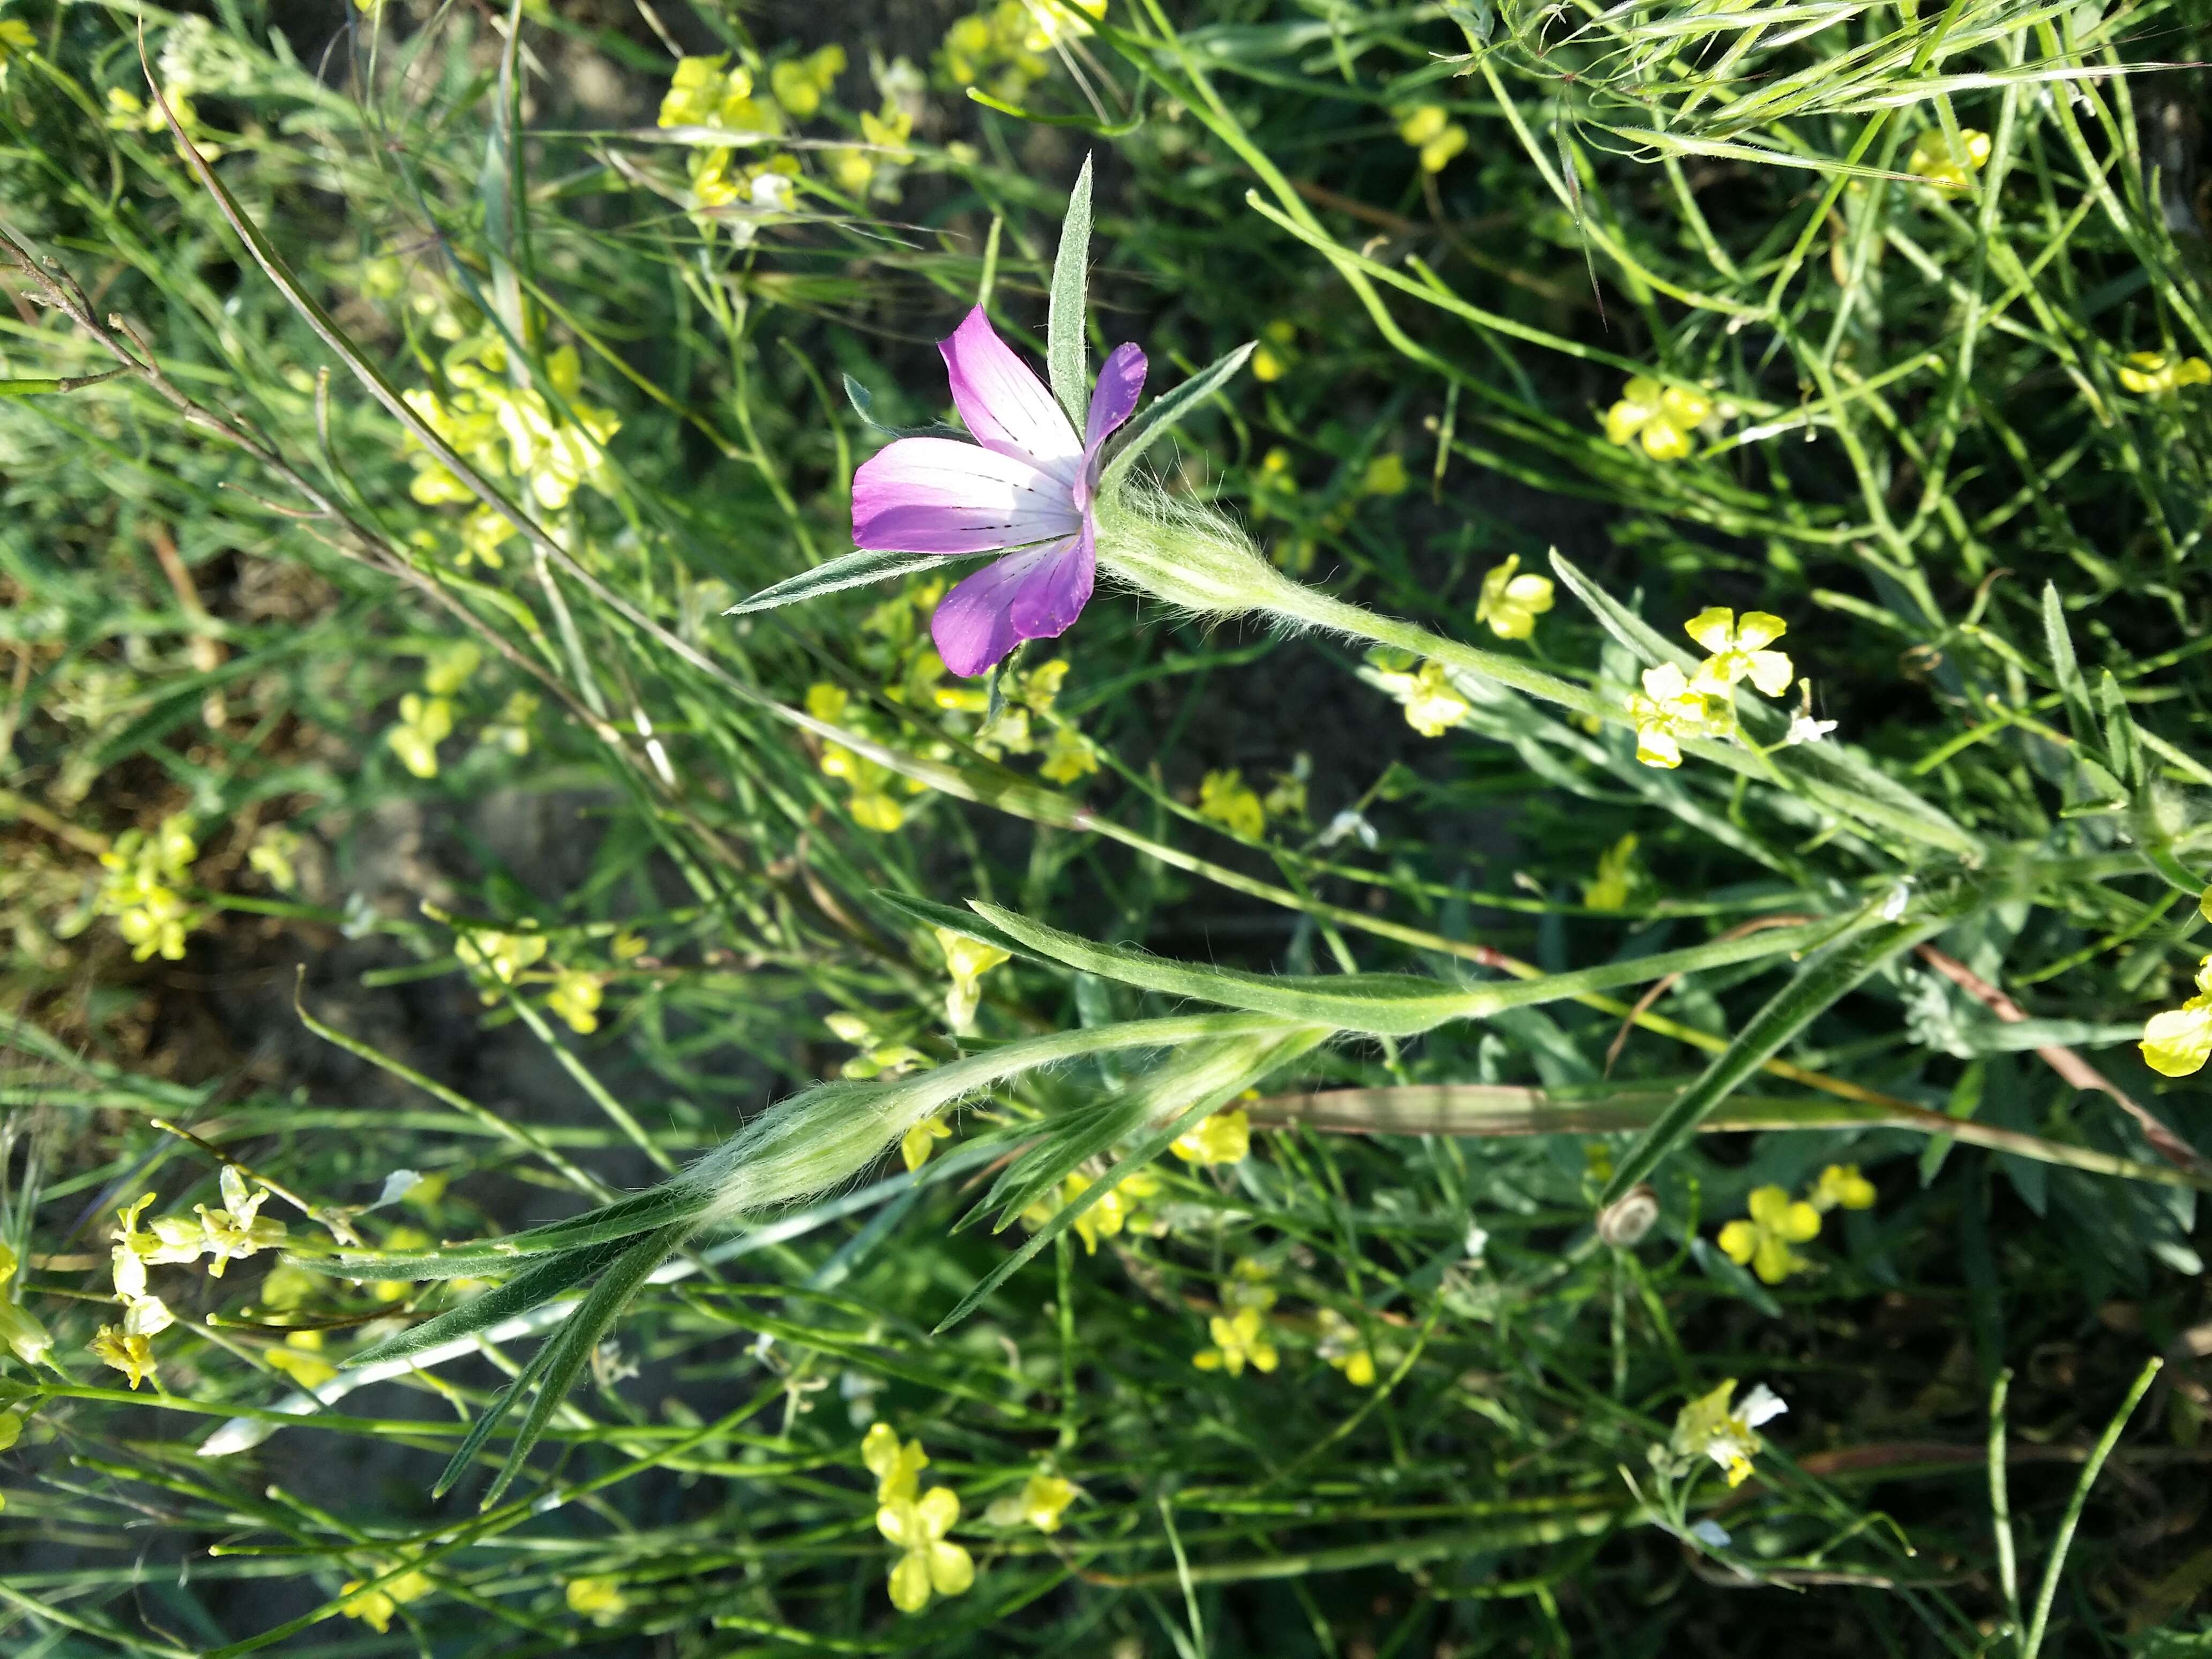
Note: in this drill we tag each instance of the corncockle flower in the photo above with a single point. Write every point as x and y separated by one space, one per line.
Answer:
1738 649
1238 1341
926 1563
1707 1427
2177 1041
1024 486
1777 1221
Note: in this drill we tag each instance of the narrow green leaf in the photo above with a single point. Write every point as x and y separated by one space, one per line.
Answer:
1063 333
852 571
571 1350
2120 745
526 1290
1825 979
674 1203
1638 637
2065 669
489 1418
1166 413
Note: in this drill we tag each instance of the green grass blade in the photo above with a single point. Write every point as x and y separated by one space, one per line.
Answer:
833 575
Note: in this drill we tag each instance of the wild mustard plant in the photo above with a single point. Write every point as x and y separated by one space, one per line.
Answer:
1762 1241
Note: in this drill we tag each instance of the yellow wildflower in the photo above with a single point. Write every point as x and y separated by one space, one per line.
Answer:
2154 375
139 890
1777 1221
1112 1211
1669 708
1660 418
702 92
127 1351
1042 1500
1271 362
1431 131
576 998
1736 647
16 38
1238 1341
800 84
1223 1137
1224 797
424 722
27 1339
1068 756
926 1561
897 1464
1250 1283
1511 604
918 1143
1052 22
2177 1042
236 1230
1385 475
599 1599
1432 703
501 957
1841 1186
967 960
1936 161
375 1607
1340 1346
1708 1427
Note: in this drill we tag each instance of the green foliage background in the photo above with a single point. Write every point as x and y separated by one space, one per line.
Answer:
1921 425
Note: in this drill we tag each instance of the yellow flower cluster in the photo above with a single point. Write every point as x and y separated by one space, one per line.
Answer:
508 430
1271 362
1618 877
1239 1340
377 1607
885 133
140 888
916 1522
1662 418
1221 1138
872 804
598 1599
883 1054
1936 160
1002 48
1776 1222
1226 799
1673 705
1430 129
1117 1210
1512 603
426 719
1710 1426
16 40
496 961
2155 374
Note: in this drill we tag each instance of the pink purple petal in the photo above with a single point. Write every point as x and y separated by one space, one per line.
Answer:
1052 596
1114 399
940 495
1034 594
1006 406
